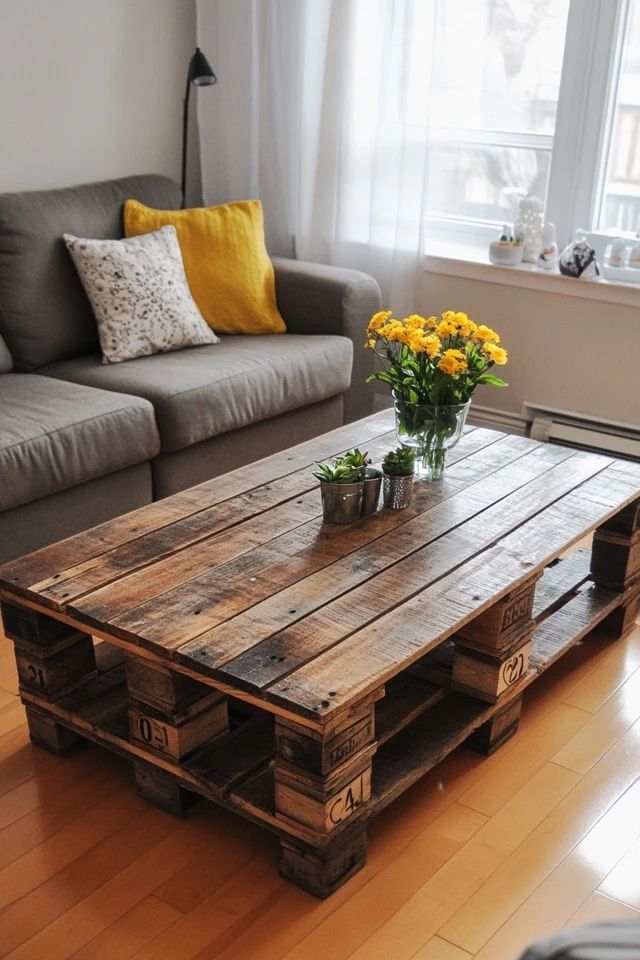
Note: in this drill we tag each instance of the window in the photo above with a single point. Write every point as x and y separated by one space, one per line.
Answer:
537 97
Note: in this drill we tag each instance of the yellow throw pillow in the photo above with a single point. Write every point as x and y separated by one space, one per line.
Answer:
230 275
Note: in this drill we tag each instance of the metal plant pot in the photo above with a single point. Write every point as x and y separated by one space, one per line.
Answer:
372 484
341 502
397 491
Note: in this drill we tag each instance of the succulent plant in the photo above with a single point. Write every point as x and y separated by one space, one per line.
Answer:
399 462
349 468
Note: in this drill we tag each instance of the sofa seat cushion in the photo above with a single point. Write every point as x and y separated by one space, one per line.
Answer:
55 435
201 392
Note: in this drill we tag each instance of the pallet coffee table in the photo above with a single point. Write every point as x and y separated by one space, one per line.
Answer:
304 675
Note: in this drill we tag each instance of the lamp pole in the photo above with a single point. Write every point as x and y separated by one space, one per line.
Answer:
199 74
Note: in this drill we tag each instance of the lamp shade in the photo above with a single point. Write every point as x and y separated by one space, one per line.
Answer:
200 72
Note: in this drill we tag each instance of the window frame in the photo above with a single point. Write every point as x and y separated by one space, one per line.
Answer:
584 124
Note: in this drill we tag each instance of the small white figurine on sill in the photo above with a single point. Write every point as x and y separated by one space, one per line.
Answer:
548 258
530 221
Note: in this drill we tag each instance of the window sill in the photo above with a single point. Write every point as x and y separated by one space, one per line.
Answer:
470 263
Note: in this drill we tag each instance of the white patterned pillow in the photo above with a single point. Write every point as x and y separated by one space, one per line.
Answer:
139 294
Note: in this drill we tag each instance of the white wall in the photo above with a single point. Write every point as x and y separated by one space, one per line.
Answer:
565 351
91 89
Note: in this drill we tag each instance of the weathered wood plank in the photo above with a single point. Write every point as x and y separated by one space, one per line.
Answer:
370 656
560 631
154 563
203 602
21 574
283 631
559 581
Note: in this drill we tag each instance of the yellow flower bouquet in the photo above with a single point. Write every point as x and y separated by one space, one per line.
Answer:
433 365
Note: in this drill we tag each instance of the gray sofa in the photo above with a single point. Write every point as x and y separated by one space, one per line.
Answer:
81 442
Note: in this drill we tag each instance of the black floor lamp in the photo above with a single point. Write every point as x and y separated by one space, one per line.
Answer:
201 75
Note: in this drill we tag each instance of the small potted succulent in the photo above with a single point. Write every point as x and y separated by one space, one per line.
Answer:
342 486
397 471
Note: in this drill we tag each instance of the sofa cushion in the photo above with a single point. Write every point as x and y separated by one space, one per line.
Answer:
140 295
44 312
54 435
6 360
201 392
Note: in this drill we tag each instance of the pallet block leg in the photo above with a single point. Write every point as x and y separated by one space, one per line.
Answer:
162 790
622 620
52 658
322 870
615 565
323 789
491 735
171 715
52 736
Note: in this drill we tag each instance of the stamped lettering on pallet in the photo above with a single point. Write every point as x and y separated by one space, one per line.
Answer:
150 731
519 609
341 749
345 803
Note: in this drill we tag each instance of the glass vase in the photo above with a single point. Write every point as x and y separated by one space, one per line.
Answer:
431 431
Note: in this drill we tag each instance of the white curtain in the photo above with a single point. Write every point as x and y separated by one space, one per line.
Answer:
316 114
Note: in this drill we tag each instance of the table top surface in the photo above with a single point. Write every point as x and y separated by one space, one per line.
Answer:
239 581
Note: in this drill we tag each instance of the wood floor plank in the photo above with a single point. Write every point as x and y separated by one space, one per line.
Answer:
557 899
571 821
598 908
148 919
49 561
621 883
428 907
347 926
107 903
52 855
33 915
438 949
604 728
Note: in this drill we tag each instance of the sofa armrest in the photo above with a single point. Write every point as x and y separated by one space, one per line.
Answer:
315 298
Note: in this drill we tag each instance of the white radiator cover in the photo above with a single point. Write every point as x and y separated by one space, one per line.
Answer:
582 430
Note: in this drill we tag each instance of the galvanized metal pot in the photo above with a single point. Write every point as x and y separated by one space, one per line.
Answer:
341 502
372 484
397 491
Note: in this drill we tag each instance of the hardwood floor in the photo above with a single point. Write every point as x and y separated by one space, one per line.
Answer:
478 859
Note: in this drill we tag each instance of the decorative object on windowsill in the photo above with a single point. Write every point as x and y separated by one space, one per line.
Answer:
342 487
371 492
529 226
507 251
199 74
578 259
433 365
548 258
634 255
397 470
618 253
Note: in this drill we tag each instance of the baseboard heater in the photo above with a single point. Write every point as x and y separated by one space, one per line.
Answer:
585 431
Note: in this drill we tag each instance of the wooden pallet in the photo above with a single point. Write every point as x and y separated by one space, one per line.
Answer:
236 649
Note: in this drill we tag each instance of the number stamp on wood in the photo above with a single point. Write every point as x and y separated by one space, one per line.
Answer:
57 670
498 627
312 752
322 814
176 736
486 677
